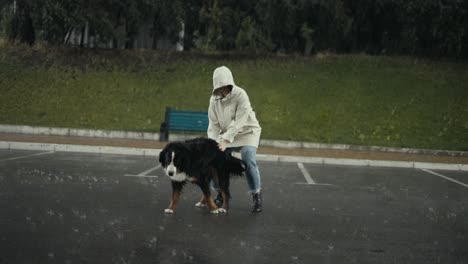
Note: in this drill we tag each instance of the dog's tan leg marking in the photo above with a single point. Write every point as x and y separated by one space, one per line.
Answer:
173 203
211 204
209 198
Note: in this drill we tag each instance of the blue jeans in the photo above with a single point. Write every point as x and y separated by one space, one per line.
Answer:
249 157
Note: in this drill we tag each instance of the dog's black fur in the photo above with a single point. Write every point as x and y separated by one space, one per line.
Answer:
199 161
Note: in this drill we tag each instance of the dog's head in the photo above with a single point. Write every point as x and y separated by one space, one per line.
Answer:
174 159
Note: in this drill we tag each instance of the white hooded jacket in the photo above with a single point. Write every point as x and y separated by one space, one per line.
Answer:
232 118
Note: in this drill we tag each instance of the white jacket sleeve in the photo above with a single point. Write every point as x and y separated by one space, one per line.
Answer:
213 124
242 114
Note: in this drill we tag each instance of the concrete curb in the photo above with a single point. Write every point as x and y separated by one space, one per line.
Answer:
78 148
260 157
52 131
310 145
30 130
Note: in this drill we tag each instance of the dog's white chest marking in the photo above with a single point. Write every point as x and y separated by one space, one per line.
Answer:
192 179
179 177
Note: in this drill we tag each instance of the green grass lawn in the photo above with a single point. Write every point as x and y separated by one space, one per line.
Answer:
347 99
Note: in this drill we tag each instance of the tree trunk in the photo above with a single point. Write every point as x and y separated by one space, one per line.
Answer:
68 35
155 30
27 33
129 38
82 36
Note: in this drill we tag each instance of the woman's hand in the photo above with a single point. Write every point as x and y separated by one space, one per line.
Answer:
222 145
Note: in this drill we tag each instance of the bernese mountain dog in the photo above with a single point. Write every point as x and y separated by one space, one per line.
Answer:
199 161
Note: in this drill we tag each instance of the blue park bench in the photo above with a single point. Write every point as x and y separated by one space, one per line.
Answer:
183 121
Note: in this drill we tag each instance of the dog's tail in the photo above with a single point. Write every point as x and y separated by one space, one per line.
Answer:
234 165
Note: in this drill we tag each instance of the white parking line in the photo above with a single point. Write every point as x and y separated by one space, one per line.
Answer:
306 174
308 178
445 177
142 176
145 173
27 156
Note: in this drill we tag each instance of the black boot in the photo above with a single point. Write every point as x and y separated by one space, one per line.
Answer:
257 203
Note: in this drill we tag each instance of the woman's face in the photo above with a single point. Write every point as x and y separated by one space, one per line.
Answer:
223 91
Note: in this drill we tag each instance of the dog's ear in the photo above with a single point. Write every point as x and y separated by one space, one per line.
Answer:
162 156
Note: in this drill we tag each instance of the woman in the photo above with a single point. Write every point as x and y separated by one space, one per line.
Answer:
233 124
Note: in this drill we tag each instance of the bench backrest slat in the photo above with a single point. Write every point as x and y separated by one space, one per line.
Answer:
179 120
183 120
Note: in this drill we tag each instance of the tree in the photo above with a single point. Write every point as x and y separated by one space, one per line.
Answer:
19 26
209 34
281 22
167 18
250 37
415 27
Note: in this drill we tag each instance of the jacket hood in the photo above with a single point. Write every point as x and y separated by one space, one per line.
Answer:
222 76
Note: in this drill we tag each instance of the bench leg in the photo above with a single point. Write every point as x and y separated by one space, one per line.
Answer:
163 133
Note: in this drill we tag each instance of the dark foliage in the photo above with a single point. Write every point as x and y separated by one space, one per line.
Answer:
406 27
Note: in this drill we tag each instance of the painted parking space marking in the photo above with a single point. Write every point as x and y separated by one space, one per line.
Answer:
145 173
445 177
308 178
143 176
27 156
306 174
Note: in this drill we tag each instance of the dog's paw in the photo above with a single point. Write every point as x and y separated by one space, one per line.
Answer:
216 211
168 211
200 205
222 211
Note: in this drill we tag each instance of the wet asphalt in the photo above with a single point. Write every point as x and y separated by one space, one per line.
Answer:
89 208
